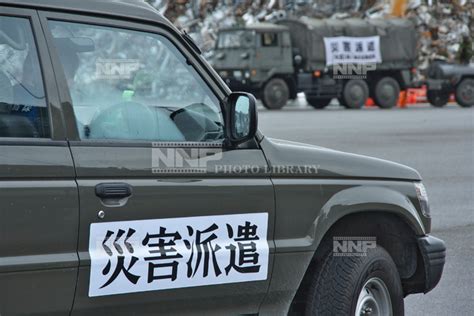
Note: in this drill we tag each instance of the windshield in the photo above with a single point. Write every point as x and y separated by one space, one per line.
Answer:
236 39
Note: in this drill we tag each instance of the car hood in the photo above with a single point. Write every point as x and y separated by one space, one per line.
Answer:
287 158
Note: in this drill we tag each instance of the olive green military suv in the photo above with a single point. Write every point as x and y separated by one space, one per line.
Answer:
134 182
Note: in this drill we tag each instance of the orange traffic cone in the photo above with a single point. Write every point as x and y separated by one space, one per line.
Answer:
402 99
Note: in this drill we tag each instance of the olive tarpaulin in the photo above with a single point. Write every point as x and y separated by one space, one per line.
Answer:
398 39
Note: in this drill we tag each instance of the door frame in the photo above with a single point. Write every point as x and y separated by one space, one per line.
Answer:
119 145
117 22
47 279
56 119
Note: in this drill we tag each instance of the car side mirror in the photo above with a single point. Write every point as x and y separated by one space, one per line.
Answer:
241 118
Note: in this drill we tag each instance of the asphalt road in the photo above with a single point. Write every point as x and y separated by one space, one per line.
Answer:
439 143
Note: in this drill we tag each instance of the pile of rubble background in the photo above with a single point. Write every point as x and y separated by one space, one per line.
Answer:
444 26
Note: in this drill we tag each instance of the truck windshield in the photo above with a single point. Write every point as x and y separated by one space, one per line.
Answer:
236 39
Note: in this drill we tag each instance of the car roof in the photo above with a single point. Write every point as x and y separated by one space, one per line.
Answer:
259 27
131 9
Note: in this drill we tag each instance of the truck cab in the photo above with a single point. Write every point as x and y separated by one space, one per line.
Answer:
348 59
258 59
445 79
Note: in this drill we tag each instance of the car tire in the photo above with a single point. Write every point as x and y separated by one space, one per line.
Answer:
355 94
465 93
275 94
341 284
386 93
318 103
437 98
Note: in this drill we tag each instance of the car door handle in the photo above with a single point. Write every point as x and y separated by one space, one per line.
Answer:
113 190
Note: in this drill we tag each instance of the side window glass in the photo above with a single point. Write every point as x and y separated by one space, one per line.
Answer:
130 85
269 39
23 106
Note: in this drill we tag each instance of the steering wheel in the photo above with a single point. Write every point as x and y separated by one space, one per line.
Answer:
196 121
125 120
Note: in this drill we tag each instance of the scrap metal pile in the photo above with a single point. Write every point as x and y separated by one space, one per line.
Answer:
444 27
203 18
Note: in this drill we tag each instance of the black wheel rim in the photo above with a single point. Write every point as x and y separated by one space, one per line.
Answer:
388 93
276 95
467 93
355 95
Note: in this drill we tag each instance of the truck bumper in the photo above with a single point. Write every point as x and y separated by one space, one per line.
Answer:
433 252
235 84
242 85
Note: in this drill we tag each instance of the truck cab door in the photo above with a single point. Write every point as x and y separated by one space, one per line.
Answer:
274 54
270 49
168 225
39 205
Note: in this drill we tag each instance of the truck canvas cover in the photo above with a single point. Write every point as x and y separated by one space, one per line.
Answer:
398 39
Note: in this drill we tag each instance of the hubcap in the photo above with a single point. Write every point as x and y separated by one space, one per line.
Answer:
275 94
468 93
388 92
357 93
374 299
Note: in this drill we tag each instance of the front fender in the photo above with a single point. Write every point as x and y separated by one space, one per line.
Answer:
304 216
306 211
364 199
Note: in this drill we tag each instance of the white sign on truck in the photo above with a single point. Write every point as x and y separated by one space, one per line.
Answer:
352 50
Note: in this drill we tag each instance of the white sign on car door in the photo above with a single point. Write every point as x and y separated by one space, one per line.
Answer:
158 254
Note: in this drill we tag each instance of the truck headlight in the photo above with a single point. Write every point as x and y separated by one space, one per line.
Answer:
237 74
422 198
247 74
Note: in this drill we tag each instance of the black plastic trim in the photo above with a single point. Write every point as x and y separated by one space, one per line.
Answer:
433 251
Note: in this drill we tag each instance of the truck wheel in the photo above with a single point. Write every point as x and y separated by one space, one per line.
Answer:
275 94
362 285
355 93
386 93
437 98
318 103
465 93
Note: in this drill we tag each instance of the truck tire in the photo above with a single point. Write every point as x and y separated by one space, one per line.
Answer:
437 98
318 103
355 93
348 285
275 94
386 93
465 93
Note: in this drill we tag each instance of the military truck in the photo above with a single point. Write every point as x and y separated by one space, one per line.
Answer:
444 79
349 59
135 182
